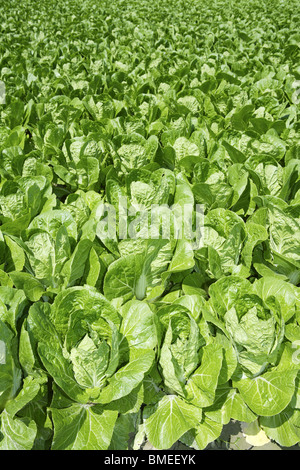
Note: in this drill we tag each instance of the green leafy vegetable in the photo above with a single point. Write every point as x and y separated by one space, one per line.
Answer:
149 222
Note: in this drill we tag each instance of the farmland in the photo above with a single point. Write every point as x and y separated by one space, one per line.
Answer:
117 333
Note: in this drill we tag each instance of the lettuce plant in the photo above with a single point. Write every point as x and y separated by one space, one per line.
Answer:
149 222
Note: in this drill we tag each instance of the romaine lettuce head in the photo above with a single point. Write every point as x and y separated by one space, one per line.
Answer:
87 346
180 350
254 326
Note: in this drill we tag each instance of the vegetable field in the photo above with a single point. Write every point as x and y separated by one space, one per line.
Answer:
115 114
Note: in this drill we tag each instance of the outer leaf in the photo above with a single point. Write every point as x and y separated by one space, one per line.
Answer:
207 431
270 393
228 405
171 418
83 427
15 434
284 428
203 382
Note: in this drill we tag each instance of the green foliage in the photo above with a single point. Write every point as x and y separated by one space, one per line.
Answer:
107 340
